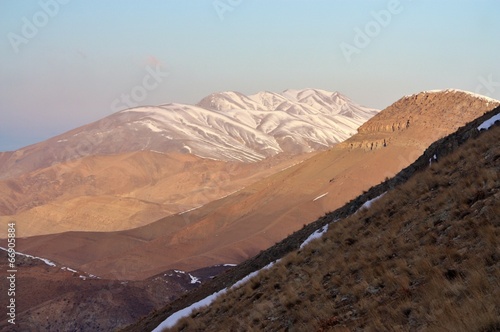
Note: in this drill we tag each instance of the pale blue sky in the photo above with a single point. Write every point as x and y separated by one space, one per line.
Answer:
85 54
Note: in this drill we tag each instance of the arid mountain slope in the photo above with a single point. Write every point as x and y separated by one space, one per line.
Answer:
424 256
117 192
55 298
239 226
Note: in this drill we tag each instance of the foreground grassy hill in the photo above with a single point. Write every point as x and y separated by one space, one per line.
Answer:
425 255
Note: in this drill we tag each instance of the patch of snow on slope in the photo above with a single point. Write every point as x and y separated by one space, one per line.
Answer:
140 109
320 196
154 151
175 317
46 261
476 95
486 98
149 124
316 235
194 280
488 123
300 162
369 203
197 207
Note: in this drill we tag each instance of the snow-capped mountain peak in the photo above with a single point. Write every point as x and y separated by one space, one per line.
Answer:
232 126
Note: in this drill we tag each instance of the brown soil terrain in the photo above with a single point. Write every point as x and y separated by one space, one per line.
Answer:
237 227
425 256
118 192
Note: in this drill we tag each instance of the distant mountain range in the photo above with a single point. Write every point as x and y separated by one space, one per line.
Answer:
226 126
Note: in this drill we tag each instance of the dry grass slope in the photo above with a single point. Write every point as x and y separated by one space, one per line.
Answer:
424 257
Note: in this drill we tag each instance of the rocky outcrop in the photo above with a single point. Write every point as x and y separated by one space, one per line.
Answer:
368 144
436 111
430 109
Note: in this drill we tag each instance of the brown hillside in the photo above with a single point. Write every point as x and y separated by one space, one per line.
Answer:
425 256
124 191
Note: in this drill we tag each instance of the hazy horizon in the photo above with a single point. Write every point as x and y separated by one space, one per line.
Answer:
68 63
